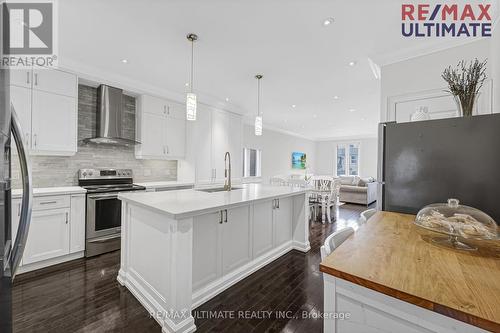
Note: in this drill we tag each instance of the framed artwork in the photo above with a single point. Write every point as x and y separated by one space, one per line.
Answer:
298 160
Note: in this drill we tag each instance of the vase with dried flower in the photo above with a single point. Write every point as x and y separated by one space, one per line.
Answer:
464 82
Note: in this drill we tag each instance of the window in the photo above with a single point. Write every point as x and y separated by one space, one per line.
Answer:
347 159
251 162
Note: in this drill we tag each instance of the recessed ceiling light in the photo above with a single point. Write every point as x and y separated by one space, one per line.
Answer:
294 106
315 116
352 63
227 99
328 21
302 126
186 84
125 61
362 118
336 97
352 110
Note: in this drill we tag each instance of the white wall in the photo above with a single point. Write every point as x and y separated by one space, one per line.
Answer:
424 73
326 150
277 151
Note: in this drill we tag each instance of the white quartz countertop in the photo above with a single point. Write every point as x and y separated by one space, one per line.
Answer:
43 191
166 184
186 203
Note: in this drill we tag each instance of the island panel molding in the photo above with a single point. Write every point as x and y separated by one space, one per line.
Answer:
175 259
459 285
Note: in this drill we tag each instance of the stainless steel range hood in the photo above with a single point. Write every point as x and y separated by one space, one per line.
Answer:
109 120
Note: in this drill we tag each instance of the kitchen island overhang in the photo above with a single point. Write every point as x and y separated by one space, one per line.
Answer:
181 248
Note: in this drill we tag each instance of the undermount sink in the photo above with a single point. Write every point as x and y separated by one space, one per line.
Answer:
217 189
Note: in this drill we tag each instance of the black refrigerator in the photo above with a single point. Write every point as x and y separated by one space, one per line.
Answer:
11 251
430 161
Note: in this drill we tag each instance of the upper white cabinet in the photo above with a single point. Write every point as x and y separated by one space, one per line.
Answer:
55 82
21 77
161 129
46 102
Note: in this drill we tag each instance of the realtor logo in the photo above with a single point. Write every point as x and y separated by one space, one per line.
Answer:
446 20
28 33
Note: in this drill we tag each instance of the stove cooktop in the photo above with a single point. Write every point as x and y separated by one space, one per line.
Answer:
113 188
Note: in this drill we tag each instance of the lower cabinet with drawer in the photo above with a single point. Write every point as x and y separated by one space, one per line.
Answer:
56 233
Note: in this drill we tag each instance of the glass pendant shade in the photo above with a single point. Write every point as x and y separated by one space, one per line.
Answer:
258 125
191 106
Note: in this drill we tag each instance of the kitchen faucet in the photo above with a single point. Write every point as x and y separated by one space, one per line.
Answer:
227 172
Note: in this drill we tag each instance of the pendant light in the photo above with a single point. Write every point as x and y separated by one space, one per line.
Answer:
258 118
191 96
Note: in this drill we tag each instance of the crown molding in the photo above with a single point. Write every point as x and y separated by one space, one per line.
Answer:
349 138
93 76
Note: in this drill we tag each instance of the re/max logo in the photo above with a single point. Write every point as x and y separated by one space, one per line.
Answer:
443 20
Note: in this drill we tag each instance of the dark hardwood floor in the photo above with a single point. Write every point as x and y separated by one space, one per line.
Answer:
84 296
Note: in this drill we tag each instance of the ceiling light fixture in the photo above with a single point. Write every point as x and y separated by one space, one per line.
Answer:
336 97
328 21
352 110
227 99
190 96
315 116
294 106
125 61
258 118
352 63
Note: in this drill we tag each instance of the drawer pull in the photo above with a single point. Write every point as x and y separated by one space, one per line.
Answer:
48 202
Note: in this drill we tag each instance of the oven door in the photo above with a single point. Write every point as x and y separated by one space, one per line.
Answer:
104 215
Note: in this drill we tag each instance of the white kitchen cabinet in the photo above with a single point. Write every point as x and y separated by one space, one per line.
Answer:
21 77
54 123
77 224
48 235
263 236
282 221
55 82
47 107
161 129
57 230
20 98
207 259
214 133
201 145
220 142
236 249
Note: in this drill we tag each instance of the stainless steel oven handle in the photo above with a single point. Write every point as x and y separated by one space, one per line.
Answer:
103 196
104 239
27 201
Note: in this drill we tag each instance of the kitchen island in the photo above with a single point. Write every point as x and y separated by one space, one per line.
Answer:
389 279
181 248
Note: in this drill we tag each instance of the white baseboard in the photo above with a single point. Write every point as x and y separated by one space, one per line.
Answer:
50 262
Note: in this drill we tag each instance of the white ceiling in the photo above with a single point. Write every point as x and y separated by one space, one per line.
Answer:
303 62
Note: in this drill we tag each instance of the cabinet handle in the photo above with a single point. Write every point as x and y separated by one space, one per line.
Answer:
274 203
36 79
35 139
225 219
18 209
163 150
168 152
220 217
28 77
48 202
67 218
278 202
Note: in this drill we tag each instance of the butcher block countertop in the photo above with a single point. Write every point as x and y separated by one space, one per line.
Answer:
388 255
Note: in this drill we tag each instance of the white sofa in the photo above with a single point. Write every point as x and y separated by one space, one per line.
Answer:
358 190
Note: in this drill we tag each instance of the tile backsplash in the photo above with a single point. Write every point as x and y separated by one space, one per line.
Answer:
49 171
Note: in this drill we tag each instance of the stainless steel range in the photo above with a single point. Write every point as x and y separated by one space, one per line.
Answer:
104 210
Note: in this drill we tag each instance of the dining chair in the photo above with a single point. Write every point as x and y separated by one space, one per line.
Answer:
334 240
365 215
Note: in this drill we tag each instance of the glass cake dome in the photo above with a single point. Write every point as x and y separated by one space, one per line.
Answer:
461 223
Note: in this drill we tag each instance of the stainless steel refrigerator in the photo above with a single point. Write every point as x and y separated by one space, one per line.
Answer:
431 161
11 243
